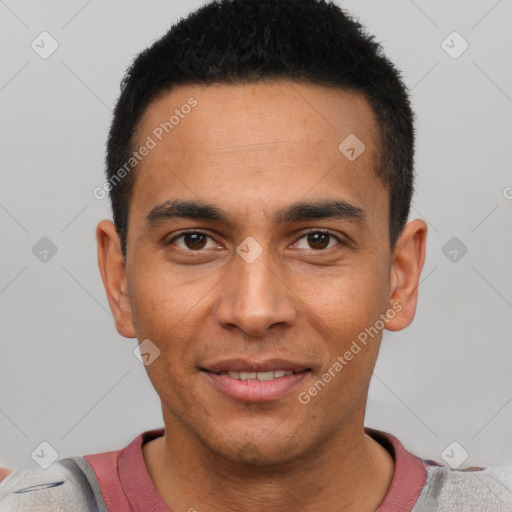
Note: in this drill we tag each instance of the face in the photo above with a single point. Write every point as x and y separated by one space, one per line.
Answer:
257 254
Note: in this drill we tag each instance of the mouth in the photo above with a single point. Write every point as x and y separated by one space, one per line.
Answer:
253 382
261 376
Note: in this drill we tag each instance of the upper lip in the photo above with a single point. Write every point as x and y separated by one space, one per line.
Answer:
246 365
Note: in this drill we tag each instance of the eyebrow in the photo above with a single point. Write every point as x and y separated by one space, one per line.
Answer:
320 209
314 210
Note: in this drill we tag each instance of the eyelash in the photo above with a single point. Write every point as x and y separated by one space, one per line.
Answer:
311 231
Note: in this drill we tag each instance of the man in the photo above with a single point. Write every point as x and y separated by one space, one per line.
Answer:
260 168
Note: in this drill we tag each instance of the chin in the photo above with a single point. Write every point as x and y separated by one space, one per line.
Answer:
251 446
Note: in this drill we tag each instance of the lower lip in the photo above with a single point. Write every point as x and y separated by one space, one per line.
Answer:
256 390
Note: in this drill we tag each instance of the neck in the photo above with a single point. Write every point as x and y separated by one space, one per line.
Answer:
349 473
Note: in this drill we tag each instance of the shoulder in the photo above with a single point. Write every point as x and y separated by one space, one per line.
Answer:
469 490
69 484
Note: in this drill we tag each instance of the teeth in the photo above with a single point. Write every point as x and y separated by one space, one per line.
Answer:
247 375
259 375
265 375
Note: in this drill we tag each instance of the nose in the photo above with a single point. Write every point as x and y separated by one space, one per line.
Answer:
255 297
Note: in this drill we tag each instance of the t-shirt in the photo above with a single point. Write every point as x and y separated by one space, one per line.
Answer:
119 481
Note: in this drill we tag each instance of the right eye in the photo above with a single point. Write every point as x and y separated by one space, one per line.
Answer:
192 241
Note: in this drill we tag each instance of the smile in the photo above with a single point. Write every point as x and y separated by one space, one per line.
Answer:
270 375
251 382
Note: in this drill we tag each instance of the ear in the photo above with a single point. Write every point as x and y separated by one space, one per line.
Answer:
113 273
407 263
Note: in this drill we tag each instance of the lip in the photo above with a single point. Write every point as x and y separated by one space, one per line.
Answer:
255 391
246 365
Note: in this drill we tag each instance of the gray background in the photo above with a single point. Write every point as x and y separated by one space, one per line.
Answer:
68 378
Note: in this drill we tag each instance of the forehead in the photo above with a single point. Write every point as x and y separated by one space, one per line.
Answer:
253 147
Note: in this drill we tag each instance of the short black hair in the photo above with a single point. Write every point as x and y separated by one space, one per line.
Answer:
237 41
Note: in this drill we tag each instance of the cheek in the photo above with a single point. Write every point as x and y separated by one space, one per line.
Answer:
169 308
347 300
345 313
162 299
170 321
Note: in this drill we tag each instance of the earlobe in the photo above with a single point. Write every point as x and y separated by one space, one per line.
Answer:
113 273
407 264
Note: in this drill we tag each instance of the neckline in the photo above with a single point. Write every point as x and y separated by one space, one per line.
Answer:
408 478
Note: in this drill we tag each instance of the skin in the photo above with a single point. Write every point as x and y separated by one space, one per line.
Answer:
4 473
252 149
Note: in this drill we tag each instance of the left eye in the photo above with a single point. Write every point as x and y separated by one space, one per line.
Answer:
318 240
193 240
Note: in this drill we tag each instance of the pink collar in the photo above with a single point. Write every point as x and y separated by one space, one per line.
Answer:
127 487
409 478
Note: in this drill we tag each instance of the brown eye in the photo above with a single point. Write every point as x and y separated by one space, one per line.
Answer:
192 241
317 241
